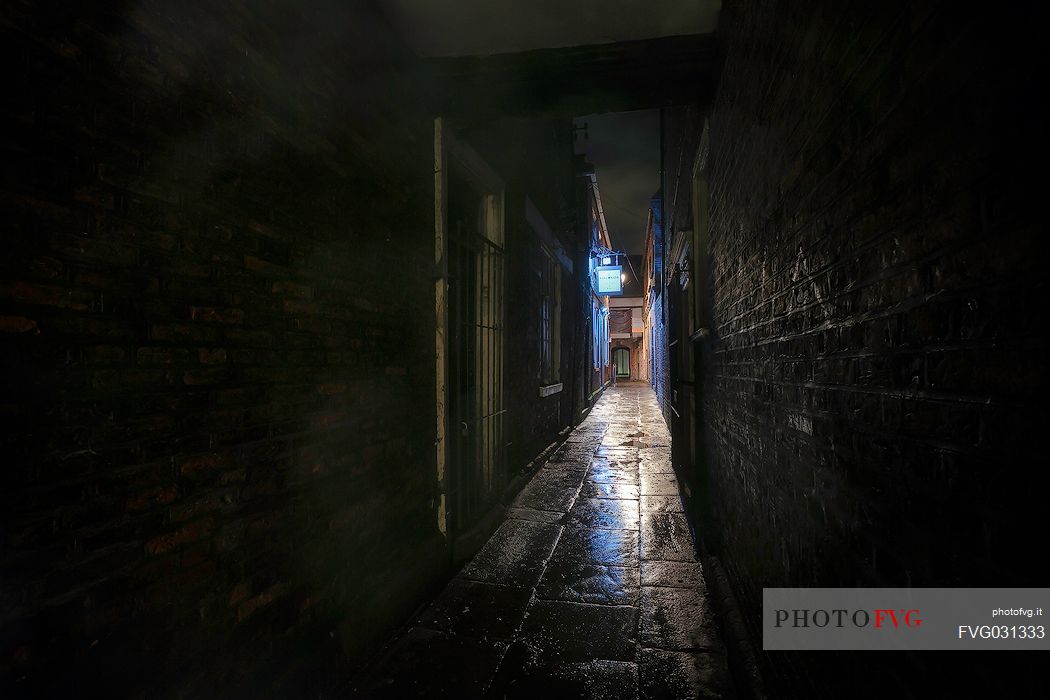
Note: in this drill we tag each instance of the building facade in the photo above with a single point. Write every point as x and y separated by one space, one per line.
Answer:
626 327
596 253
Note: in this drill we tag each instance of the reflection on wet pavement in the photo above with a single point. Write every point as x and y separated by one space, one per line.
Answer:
589 589
587 582
601 546
605 513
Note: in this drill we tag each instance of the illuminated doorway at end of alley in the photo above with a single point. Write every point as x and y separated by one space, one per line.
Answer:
622 361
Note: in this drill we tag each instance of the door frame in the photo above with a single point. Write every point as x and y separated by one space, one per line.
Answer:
627 350
450 151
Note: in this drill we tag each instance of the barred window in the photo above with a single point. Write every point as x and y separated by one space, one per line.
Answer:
550 320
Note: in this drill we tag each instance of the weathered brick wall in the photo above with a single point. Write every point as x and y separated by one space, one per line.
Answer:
877 389
657 322
661 359
532 421
217 348
534 158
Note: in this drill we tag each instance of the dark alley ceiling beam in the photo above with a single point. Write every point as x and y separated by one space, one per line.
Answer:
577 80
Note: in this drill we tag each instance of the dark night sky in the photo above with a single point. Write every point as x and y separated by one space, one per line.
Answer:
625 150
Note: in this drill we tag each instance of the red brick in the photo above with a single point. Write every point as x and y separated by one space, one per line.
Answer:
239 593
259 227
102 354
250 338
198 463
248 607
293 306
160 495
16 324
189 533
190 268
45 295
159 355
95 196
217 315
46 268
211 356
291 289
177 332
128 379
193 508
259 265
204 377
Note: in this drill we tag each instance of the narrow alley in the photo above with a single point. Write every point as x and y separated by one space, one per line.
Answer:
523 349
591 588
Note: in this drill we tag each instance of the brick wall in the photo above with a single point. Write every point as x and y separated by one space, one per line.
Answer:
217 373
657 319
875 394
532 421
661 360
534 156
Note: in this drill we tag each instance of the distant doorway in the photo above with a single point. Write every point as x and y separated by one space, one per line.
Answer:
622 361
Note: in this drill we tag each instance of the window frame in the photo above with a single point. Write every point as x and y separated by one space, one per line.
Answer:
550 318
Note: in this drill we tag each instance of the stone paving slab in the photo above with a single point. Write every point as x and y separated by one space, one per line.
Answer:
603 471
441 665
650 465
592 436
575 451
604 514
551 489
586 582
616 451
476 609
595 679
673 574
515 555
613 547
600 489
660 504
665 536
589 589
577 466
671 675
598 631
658 484
678 619
536 516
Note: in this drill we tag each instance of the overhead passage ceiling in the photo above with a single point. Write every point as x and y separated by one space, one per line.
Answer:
477 27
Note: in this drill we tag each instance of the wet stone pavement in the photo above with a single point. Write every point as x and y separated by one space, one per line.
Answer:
589 589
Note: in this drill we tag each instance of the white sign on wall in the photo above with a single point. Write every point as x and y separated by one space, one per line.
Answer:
608 279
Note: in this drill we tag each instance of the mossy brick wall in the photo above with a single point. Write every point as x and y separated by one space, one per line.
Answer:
218 441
